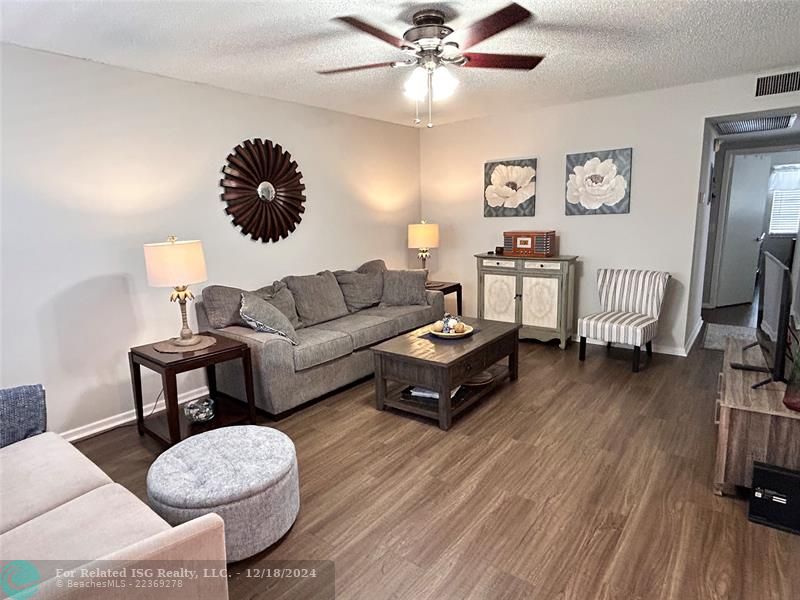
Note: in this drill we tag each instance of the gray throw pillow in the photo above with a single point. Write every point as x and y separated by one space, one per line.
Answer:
318 297
223 303
279 295
263 316
360 290
401 288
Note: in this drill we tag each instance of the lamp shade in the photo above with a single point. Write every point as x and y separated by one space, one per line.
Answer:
172 264
423 235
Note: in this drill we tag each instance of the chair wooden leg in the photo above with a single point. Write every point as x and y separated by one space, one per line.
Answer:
637 351
582 349
649 346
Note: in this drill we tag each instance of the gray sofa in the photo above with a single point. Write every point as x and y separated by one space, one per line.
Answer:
329 354
58 510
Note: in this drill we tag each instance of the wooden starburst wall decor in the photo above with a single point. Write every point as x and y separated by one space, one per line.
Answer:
263 191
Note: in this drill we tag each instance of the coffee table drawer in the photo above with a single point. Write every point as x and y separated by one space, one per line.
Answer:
468 368
472 365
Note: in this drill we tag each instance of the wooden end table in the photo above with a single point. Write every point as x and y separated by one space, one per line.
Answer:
417 358
447 287
173 426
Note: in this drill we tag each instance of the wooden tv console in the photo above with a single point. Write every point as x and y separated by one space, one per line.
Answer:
754 425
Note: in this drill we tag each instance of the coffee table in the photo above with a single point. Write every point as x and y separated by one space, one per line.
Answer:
418 358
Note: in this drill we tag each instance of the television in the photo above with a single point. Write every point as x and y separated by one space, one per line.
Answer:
773 326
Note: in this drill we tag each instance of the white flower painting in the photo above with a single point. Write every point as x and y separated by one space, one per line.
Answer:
599 182
509 188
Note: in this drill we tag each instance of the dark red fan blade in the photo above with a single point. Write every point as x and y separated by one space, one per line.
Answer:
357 23
481 60
358 68
489 26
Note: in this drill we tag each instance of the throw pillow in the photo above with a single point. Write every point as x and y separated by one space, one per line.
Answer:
401 288
280 297
261 315
318 297
360 290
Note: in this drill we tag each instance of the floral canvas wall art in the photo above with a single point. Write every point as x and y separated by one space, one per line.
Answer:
509 188
599 183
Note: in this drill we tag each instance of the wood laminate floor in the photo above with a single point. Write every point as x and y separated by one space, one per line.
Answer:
579 481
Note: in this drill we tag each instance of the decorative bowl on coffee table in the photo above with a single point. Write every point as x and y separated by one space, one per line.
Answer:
468 329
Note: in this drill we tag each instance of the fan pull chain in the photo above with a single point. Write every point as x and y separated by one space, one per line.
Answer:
430 98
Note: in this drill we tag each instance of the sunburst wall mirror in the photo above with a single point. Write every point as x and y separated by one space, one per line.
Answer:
263 191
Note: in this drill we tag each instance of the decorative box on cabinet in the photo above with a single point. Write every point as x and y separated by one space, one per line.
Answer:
537 293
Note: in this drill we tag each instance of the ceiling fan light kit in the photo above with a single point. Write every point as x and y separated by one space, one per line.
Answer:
431 46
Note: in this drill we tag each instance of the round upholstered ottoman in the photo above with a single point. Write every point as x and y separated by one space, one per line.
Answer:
247 475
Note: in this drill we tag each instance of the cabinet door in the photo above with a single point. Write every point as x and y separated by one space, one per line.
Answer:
500 297
541 301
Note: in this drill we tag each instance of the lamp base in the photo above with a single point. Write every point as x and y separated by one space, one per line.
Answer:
174 346
191 341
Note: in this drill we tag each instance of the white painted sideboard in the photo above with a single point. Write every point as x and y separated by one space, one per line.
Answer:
538 293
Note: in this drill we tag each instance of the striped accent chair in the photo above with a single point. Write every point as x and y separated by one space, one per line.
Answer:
631 302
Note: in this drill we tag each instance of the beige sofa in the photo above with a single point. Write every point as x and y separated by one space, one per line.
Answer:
58 510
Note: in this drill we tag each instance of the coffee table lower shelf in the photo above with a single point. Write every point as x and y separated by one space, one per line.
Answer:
465 398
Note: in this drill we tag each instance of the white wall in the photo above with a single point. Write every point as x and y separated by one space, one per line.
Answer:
99 160
705 196
665 129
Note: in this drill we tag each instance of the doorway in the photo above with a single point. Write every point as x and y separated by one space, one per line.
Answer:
754 213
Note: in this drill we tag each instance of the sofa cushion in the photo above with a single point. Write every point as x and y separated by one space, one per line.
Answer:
279 295
619 327
360 290
318 297
365 330
405 317
260 315
86 528
372 266
317 346
403 288
222 303
40 473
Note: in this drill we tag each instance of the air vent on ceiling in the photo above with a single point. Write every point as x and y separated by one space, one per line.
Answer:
778 84
755 124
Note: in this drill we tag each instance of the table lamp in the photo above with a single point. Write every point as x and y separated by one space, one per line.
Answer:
177 265
423 236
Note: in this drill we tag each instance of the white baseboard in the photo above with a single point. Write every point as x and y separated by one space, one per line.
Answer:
657 348
129 416
693 336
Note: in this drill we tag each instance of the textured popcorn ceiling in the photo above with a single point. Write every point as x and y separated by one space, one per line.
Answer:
593 47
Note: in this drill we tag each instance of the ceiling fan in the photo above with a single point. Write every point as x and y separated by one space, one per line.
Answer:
430 46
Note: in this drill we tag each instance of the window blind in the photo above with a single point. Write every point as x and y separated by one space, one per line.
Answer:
785 213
